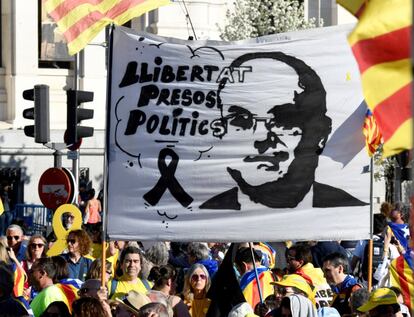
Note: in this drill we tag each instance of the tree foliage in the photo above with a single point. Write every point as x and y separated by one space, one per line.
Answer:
253 18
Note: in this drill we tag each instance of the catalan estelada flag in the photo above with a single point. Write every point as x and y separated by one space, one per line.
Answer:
371 133
81 20
402 276
381 44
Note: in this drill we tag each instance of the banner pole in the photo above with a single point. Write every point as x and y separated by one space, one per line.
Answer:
107 127
256 274
371 223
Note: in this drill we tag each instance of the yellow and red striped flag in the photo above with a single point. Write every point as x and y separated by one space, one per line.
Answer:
81 20
402 276
381 44
372 133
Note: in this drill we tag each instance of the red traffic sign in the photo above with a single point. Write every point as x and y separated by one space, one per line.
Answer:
74 146
55 188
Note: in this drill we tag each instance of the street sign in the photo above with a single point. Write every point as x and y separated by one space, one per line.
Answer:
74 146
73 185
55 188
72 155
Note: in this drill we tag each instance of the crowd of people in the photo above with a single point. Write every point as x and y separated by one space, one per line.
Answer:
172 279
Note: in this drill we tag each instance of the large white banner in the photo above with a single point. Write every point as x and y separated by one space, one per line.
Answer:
257 140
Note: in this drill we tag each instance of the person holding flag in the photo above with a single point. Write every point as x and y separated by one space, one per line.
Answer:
245 264
398 230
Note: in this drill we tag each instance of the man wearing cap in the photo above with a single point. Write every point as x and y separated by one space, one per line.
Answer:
299 261
248 283
335 267
130 260
382 302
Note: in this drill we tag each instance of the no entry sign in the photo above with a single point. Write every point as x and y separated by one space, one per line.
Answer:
55 188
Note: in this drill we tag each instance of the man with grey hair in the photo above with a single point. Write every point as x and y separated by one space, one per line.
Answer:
200 253
153 310
14 235
335 269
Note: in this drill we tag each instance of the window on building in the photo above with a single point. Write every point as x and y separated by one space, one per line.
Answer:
53 51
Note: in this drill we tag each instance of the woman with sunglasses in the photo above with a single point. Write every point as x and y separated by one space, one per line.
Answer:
79 245
164 289
196 284
36 249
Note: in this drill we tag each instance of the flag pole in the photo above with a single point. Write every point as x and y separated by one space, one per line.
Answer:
256 274
371 223
107 127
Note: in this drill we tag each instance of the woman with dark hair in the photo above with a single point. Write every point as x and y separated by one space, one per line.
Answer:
164 289
79 245
196 284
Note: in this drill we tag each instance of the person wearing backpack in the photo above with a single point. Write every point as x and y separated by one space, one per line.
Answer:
382 252
131 259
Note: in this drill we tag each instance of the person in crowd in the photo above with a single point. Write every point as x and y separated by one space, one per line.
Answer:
89 307
95 271
156 255
6 215
299 261
131 259
196 285
36 249
335 268
404 309
200 253
386 209
398 229
297 306
94 288
69 286
294 284
79 245
382 302
114 250
15 306
245 265
383 249
56 309
14 235
93 209
42 274
323 248
164 285
357 299
153 310
8 257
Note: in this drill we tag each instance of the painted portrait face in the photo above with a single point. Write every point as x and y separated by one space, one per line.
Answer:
269 138
279 134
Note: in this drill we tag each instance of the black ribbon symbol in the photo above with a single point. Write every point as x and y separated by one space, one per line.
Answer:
168 180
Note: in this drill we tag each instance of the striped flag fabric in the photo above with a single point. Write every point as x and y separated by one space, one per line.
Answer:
402 276
372 134
81 20
381 45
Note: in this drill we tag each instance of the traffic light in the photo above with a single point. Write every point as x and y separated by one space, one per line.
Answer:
39 113
75 115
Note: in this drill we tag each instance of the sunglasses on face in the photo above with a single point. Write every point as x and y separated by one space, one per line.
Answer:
71 241
196 277
17 238
37 245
